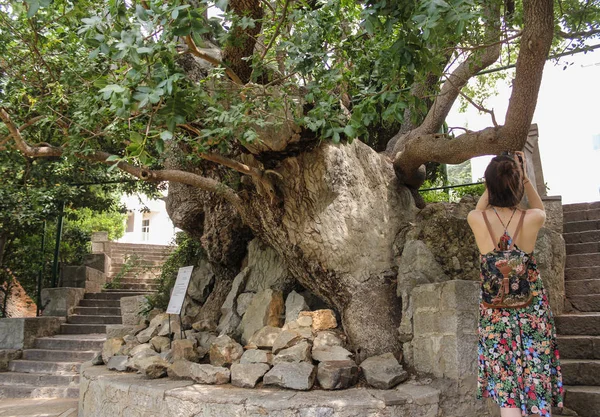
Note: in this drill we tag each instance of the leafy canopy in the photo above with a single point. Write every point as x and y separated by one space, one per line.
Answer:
112 75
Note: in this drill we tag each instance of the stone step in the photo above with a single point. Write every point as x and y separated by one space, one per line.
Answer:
82 328
99 302
580 371
31 391
80 319
586 303
579 215
579 248
584 400
44 367
23 378
582 287
58 355
581 206
585 272
139 281
88 311
586 324
582 237
134 287
581 226
112 295
579 347
70 343
586 259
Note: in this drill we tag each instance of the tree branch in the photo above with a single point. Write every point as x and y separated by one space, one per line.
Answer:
207 184
480 108
578 35
283 17
425 146
477 61
193 49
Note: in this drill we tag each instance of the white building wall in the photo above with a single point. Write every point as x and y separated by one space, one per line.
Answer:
160 230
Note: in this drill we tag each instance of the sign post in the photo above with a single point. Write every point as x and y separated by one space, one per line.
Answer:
178 295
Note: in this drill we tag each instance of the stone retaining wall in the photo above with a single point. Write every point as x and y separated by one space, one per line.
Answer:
20 333
107 393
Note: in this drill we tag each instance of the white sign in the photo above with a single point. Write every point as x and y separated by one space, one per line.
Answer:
179 290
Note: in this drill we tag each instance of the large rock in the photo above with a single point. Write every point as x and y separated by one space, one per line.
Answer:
230 320
265 309
247 375
208 374
321 319
331 353
337 374
328 338
297 353
265 337
122 330
225 351
298 376
160 343
111 347
243 301
257 356
118 363
201 282
267 269
153 328
170 325
143 350
184 349
152 366
180 369
286 339
294 304
383 371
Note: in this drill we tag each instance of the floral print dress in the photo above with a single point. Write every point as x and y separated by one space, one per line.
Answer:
519 363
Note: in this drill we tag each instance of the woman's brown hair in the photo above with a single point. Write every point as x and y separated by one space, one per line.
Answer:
504 182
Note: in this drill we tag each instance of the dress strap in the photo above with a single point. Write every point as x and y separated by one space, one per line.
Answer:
519 226
489 227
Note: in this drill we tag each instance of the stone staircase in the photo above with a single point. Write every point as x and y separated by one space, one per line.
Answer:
136 266
579 328
51 368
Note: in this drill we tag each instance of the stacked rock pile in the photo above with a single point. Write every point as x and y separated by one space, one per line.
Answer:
304 350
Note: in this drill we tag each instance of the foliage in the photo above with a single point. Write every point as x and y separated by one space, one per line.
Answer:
89 221
188 251
106 75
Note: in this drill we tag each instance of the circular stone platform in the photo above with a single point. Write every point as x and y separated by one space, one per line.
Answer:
106 393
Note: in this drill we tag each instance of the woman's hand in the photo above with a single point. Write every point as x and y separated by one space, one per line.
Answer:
521 157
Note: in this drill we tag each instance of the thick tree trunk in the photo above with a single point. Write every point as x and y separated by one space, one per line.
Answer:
341 211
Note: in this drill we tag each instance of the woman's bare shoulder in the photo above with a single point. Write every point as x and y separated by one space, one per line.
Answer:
475 216
535 215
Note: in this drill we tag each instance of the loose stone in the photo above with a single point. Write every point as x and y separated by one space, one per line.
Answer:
383 371
298 376
225 351
286 339
337 374
297 353
208 374
257 356
118 363
180 369
265 337
111 347
247 375
331 353
184 349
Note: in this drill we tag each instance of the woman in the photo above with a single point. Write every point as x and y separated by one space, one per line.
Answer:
518 357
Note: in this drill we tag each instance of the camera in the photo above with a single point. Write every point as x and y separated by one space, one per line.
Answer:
512 155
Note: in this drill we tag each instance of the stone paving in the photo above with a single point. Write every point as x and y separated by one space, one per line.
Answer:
38 407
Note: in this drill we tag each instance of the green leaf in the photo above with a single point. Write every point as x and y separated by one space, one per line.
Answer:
222 4
113 158
34 5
